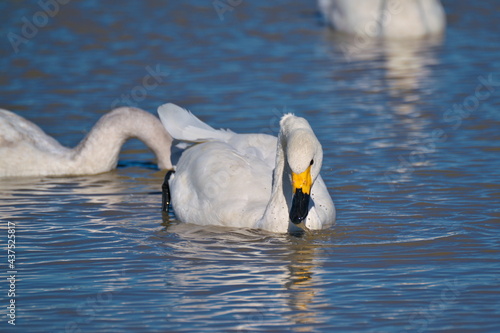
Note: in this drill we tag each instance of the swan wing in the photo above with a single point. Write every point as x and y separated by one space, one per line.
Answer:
184 126
215 185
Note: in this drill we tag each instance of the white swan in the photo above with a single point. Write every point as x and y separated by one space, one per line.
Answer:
26 150
248 180
385 18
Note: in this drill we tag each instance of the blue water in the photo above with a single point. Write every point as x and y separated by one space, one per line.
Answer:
410 133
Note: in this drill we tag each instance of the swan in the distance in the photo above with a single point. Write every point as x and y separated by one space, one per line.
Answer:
248 180
393 19
26 150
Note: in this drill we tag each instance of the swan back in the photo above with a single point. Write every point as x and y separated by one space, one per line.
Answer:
25 149
15 130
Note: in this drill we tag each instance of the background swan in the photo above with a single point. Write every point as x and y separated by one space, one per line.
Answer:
26 150
385 18
248 180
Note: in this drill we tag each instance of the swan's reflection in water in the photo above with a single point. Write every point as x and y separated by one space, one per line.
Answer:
393 78
403 68
303 283
408 72
394 82
268 278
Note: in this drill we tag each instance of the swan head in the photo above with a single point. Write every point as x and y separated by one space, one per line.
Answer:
304 156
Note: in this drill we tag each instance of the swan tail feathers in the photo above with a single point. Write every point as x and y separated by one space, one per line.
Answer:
182 125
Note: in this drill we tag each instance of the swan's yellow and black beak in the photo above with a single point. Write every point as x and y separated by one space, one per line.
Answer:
301 184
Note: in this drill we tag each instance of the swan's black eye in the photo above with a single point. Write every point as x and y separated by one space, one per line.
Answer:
312 162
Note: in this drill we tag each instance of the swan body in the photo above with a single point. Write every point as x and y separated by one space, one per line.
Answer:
26 150
385 18
248 180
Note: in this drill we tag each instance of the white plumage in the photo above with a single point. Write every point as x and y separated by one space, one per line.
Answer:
385 18
245 180
26 150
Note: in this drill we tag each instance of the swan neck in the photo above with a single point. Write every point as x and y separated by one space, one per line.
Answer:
100 149
279 169
276 214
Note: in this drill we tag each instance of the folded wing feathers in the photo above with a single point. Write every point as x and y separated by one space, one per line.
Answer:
184 126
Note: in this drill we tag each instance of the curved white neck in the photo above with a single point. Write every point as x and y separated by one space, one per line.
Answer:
99 150
276 215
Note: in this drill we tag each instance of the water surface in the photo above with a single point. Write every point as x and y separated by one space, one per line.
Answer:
411 161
